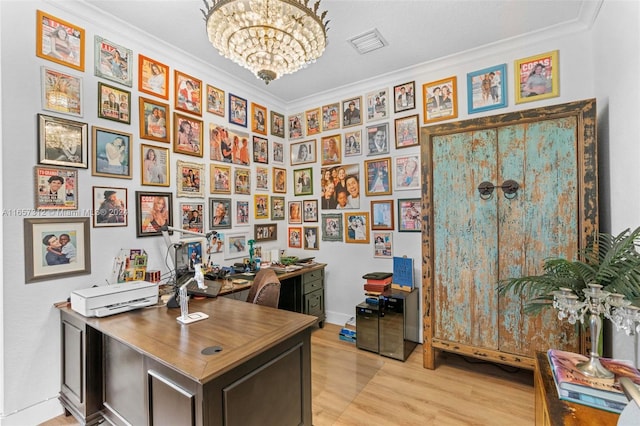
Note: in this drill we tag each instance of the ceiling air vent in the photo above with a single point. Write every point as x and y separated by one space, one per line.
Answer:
368 42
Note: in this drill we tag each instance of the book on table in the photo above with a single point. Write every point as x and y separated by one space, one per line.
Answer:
573 385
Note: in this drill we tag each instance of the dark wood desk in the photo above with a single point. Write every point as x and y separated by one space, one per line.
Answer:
143 367
301 290
552 411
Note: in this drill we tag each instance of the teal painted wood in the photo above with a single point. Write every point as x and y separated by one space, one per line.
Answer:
542 221
525 138
465 238
477 242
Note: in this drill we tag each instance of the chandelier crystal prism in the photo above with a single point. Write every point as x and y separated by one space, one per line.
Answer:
270 38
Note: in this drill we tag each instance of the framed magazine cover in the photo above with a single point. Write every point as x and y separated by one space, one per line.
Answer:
56 247
295 237
487 89
331 116
188 93
110 207
56 188
242 213
62 142
331 227
114 103
440 100
352 112
353 143
192 216
258 118
260 150
155 165
295 211
277 207
153 77
382 215
310 210
113 61
407 131
310 238
61 92
312 118
215 100
377 105
220 213
303 181
236 245
59 41
155 123
277 124
188 135
111 154
296 130
265 232
406 172
261 206
242 180
378 176
154 210
237 110
278 152
537 77
220 179
404 96
409 212
262 178
279 180
302 152
357 227
190 179
383 245
331 149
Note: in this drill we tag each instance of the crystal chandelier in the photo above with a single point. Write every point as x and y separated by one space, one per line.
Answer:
268 37
597 303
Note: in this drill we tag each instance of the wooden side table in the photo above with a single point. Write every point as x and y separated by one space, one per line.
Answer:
552 411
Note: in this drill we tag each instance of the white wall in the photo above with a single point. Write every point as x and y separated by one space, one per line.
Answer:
30 345
616 65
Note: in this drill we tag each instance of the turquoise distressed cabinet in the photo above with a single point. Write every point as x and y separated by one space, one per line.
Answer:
501 194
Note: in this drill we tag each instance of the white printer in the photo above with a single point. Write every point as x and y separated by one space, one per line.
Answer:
114 298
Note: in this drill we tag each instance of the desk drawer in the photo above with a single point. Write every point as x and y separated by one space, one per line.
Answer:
312 276
309 286
313 303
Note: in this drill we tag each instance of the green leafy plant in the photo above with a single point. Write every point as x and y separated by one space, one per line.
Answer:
611 261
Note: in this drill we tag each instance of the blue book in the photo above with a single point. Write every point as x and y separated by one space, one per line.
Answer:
403 272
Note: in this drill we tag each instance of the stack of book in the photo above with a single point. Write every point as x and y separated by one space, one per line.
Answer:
348 332
377 284
574 386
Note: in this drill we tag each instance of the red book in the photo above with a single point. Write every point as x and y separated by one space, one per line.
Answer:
387 280
377 287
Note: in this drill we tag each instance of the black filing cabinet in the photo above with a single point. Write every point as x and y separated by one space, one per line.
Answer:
390 328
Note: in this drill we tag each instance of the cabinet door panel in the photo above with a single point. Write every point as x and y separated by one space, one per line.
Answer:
541 221
465 239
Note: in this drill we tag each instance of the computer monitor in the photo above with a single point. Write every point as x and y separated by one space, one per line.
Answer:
188 253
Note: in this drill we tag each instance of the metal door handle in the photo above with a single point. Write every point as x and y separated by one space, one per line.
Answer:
509 187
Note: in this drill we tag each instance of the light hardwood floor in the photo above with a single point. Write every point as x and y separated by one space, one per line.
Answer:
354 387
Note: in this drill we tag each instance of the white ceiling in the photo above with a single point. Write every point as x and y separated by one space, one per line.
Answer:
417 31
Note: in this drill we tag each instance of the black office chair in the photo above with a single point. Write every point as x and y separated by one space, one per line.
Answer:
265 289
